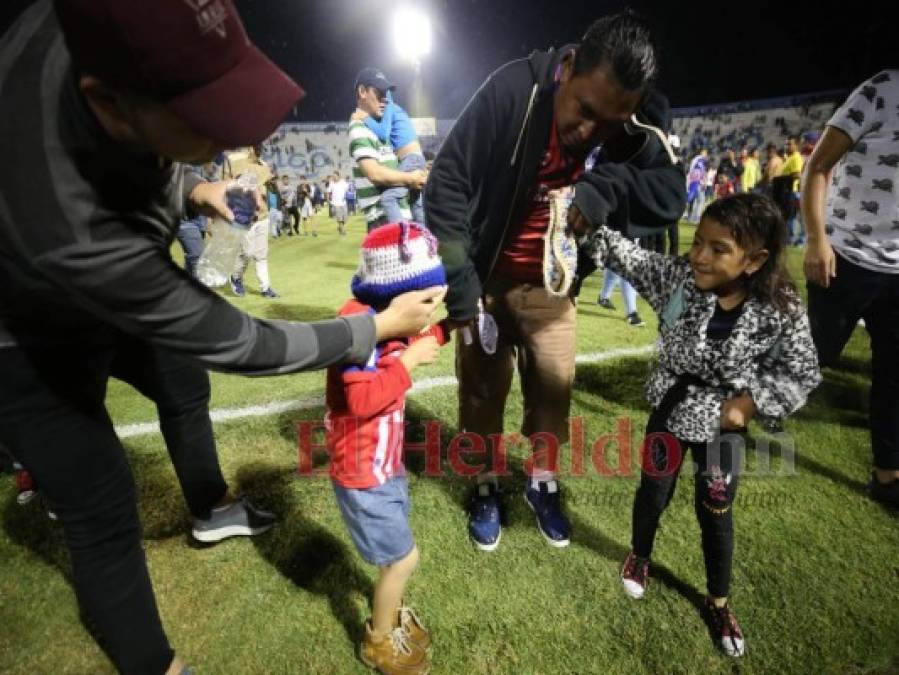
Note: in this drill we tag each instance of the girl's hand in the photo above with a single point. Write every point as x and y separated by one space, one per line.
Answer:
737 412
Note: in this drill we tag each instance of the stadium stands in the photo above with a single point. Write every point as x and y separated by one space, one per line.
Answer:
316 150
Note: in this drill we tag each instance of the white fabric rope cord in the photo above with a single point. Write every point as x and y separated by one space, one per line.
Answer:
277 407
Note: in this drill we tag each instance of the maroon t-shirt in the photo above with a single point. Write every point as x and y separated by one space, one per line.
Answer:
522 256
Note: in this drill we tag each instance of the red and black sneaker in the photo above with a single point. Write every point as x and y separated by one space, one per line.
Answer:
726 629
25 486
635 575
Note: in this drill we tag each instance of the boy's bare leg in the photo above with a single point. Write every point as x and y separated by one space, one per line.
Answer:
389 594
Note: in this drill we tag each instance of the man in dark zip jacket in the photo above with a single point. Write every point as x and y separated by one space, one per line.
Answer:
526 133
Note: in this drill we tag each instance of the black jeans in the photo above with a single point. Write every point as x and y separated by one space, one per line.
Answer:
856 293
53 420
715 487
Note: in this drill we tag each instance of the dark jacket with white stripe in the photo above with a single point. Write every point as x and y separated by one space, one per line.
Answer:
484 174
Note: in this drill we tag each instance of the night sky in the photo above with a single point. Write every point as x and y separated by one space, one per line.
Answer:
710 52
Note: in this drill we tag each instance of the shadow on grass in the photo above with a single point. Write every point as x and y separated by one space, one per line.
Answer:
802 462
854 364
841 398
621 381
304 551
30 527
516 513
294 312
589 537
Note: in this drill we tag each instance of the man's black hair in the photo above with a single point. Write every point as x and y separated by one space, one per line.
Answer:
624 42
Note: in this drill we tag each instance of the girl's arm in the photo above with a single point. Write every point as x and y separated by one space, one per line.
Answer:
784 379
654 275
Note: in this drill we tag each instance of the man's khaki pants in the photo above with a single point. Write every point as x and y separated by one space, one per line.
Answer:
537 331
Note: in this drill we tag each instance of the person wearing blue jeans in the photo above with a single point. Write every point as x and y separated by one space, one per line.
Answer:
628 292
190 236
396 127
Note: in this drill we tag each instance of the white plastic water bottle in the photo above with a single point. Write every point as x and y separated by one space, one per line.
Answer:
217 261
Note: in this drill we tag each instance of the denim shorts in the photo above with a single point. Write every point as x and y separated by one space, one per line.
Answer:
378 520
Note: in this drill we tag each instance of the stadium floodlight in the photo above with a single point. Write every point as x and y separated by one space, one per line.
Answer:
412 34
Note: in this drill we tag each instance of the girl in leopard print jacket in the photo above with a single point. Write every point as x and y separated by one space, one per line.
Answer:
735 343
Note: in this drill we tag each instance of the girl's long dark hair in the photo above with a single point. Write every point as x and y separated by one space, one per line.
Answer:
756 223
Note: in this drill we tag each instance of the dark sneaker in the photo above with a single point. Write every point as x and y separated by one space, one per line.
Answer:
484 526
633 319
635 575
605 303
726 629
237 287
239 518
546 504
270 293
885 493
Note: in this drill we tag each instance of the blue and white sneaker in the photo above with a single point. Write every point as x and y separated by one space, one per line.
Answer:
237 286
484 526
545 502
270 293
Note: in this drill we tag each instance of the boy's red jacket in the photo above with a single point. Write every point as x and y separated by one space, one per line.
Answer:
366 404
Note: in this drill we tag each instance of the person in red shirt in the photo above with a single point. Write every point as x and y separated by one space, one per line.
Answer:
724 186
364 432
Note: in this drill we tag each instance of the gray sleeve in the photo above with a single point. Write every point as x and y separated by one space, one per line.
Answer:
132 284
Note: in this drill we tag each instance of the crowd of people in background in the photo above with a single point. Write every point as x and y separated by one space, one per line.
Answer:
740 171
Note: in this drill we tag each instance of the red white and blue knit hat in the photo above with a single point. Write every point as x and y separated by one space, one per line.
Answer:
397 258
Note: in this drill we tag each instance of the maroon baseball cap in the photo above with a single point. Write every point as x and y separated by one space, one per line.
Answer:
192 55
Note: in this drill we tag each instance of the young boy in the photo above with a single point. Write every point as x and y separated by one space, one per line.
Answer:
365 439
396 127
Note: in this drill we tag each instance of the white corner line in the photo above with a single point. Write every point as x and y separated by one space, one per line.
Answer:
276 407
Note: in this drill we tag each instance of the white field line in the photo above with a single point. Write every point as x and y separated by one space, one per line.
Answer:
276 407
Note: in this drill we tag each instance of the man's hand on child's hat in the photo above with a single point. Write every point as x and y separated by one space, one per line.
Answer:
410 313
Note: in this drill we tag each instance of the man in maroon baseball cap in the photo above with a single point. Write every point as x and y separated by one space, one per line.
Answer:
102 102
192 56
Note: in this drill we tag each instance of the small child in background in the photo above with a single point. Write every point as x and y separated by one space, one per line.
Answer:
724 186
735 343
365 430
396 127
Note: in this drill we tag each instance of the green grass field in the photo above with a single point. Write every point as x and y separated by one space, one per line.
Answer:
816 574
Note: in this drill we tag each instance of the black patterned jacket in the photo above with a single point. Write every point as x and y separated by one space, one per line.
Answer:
769 354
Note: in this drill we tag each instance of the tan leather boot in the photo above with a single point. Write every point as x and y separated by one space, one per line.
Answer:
395 654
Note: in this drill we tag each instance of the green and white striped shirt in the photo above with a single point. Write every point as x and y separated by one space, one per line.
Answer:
364 144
